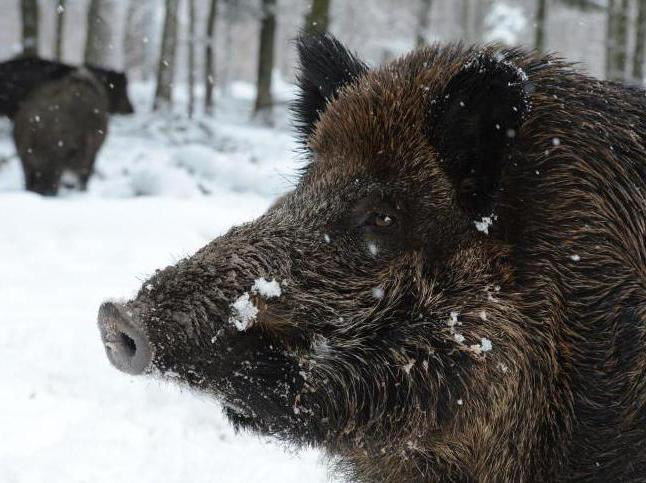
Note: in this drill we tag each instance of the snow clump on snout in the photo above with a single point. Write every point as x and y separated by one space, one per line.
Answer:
244 310
266 289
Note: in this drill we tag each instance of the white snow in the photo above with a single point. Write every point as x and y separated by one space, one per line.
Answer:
575 258
65 414
266 289
244 312
485 344
373 249
378 293
407 367
484 223
453 319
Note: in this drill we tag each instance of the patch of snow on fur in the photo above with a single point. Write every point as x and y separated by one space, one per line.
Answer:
409 366
378 293
372 248
453 320
266 289
575 258
245 312
484 224
485 345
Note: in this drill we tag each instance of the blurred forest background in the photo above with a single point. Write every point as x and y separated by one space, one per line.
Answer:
205 45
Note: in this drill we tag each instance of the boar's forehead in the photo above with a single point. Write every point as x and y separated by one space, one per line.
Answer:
377 127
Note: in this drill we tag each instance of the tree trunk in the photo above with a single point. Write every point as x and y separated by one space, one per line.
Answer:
138 47
539 29
29 10
263 105
60 30
616 40
209 61
191 58
99 43
166 69
423 22
640 42
317 19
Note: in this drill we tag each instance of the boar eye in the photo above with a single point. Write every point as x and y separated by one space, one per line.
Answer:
381 220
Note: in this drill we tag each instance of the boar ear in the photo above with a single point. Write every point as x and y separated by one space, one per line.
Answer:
325 66
473 124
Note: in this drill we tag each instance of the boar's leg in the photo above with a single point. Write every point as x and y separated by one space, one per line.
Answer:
45 182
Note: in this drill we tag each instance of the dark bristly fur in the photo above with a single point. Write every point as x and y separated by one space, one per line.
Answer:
60 116
377 349
329 67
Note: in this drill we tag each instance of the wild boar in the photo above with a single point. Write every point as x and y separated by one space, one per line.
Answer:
61 124
454 291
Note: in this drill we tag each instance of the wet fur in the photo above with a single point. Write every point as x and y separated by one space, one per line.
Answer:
384 384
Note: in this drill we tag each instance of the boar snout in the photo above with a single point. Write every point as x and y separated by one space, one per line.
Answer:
125 342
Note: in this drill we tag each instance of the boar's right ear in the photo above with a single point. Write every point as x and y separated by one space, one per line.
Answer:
473 124
325 66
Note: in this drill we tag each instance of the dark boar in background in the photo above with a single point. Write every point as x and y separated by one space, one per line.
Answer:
61 120
455 290
21 75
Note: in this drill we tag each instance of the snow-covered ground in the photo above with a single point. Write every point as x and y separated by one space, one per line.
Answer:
65 414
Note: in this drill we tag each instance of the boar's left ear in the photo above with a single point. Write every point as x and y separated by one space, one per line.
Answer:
473 124
325 66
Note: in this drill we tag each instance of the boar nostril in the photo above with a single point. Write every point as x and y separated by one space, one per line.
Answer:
126 344
129 345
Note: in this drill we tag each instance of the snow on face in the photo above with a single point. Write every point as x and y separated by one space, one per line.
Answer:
245 312
485 345
372 248
484 224
266 289
378 293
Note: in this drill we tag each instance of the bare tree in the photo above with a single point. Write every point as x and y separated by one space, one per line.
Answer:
423 22
617 39
209 60
317 19
139 49
191 57
640 42
539 25
29 11
166 69
264 101
60 30
99 42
